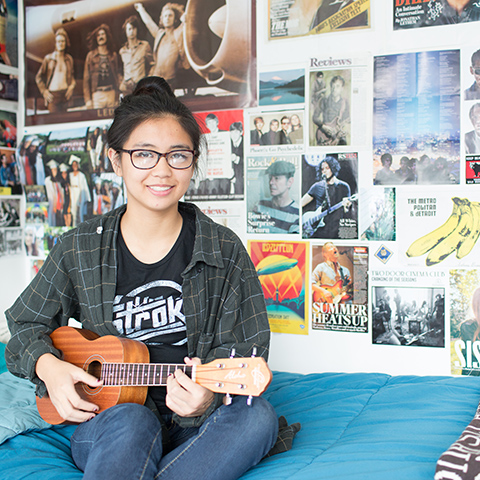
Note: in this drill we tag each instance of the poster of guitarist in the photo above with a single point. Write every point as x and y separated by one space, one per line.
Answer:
329 204
331 112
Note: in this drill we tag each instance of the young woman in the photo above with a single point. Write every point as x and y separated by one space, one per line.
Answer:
159 271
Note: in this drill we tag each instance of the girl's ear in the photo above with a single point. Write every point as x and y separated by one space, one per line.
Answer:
114 157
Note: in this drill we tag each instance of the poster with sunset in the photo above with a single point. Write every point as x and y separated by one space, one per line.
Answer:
281 268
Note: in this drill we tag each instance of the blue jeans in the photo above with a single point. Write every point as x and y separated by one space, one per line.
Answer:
125 442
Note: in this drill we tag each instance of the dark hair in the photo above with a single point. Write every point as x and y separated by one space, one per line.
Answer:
132 20
152 98
236 126
92 37
333 164
386 157
475 57
338 78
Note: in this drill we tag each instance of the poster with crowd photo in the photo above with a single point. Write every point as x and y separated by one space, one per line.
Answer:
293 18
281 269
279 131
416 118
378 219
210 66
9 172
330 196
409 313
465 321
439 229
339 285
273 194
428 13
220 170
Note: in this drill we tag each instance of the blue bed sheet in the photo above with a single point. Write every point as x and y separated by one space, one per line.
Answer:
354 426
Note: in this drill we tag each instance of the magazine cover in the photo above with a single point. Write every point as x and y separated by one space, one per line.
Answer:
203 48
281 268
293 18
465 321
339 288
330 196
416 118
273 193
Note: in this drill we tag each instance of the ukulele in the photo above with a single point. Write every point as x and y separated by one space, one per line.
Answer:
122 365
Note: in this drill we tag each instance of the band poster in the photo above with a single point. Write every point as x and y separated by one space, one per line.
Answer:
330 196
439 229
428 13
281 269
339 283
293 18
273 194
465 321
416 118
338 90
210 67
409 310
220 173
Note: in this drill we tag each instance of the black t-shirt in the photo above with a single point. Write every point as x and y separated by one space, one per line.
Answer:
148 304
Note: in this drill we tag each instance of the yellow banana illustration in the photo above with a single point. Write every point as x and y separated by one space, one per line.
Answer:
427 242
469 242
451 242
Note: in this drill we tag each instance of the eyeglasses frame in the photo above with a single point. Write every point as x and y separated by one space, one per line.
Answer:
160 155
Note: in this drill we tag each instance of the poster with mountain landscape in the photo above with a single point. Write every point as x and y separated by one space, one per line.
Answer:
282 87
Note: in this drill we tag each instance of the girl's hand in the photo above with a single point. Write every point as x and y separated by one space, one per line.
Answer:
60 378
185 397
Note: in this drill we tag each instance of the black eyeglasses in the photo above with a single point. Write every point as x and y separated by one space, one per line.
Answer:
476 70
147 159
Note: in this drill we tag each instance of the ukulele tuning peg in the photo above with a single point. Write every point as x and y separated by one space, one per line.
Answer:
254 352
232 352
228 400
249 400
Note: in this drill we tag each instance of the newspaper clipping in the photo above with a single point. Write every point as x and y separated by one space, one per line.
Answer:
339 288
281 268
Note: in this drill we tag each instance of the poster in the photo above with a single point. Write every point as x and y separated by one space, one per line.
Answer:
293 18
464 321
281 87
330 196
281 269
378 218
210 67
273 193
416 118
220 173
428 13
339 288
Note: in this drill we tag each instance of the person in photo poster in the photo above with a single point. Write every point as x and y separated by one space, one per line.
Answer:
67 199
331 281
95 149
3 33
385 176
30 155
8 133
236 139
55 77
444 12
136 55
331 115
472 138
473 92
272 137
79 191
285 131
257 133
332 199
7 172
281 210
101 74
296 134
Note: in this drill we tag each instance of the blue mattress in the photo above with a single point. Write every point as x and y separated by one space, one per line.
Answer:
354 426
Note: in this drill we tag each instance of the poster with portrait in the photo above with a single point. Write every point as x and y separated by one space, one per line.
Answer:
330 196
293 18
339 285
220 171
273 194
413 14
79 59
281 269
416 118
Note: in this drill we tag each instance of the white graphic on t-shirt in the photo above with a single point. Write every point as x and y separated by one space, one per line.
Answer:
142 317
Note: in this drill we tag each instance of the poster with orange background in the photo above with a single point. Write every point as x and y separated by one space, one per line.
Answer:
281 268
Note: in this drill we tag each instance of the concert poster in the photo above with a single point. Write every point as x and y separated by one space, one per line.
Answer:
213 69
281 269
409 314
438 229
273 194
220 172
428 13
416 118
472 169
378 218
294 18
464 321
339 288
330 196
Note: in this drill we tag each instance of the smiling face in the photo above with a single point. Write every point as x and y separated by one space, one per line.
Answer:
159 189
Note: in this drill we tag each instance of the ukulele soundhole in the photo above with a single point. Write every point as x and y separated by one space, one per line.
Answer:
95 369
